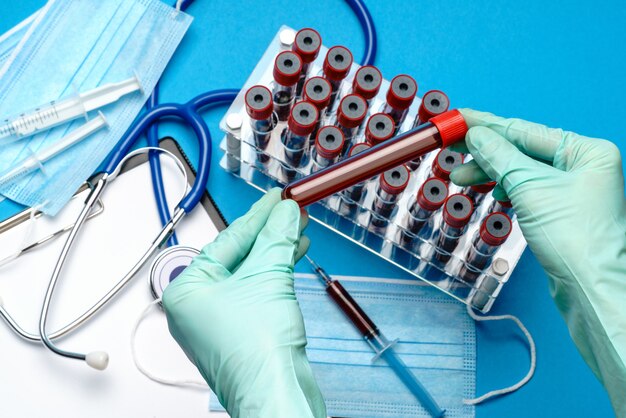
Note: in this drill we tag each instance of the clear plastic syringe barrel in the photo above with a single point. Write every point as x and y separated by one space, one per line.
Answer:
41 118
443 130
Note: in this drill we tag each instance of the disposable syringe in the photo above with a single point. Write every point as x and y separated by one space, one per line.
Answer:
379 343
35 160
64 110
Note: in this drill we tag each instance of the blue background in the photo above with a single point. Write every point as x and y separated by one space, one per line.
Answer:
558 63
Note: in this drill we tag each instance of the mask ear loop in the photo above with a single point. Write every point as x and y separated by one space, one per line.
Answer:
533 357
164 381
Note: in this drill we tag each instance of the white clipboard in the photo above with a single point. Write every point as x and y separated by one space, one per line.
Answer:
38 383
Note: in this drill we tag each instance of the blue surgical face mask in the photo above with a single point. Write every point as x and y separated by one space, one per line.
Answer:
79 45
437 341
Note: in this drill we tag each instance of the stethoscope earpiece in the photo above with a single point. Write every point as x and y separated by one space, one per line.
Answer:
98 360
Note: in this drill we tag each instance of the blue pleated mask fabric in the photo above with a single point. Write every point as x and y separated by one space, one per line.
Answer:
437 340
78 45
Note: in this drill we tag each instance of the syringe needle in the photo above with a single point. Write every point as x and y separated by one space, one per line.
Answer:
320 271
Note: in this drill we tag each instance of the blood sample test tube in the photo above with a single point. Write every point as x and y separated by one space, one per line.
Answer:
287 68
493 232
295 138
260 109
307 44
391 184
328 146
400 95
441 131
457 211
434 103
443 164
503 206
379 128
355 192
367 82
317 91
336 67
478 192
430 198
350 115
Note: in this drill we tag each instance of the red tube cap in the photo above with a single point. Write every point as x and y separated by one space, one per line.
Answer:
457 210
434 103
307 44
451 126
380 127
394 181
287 68
303 118
317 91
432 194
259 104
445 161
358 148
367 82
352 111
337 63
495 228
483 188
402 91
329 142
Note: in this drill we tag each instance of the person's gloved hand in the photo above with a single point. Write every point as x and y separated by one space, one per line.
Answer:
235 314
568 193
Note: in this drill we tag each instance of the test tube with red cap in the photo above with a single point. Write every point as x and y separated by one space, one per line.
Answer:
443 164
441 131
260 108
328 147
478 192
317 91
389 190
379 128
355 192
434 102
336 67
457 211
493 232
429 199
400 95
503 205
287 69
367 82
306 44
295 138
350 115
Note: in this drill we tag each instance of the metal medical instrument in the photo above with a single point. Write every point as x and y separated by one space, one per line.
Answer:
58 112
379 343
36 160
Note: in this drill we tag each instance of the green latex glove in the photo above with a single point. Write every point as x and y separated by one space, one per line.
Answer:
235 314
568 193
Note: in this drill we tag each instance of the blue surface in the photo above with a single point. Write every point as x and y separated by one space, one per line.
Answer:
559 63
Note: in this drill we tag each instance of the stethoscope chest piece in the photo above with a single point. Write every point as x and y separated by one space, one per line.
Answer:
168 265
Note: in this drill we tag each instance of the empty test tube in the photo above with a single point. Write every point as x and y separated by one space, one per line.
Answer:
307 44
430 198
478 192
328 146
433 103
442 130
317 91
379 128
287 69
350 115
493 232
503 206
457 211
400 95
260 108
295 138
336 67
367 82
391 184
445 161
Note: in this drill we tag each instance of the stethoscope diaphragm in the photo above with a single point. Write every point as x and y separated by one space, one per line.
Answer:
168 265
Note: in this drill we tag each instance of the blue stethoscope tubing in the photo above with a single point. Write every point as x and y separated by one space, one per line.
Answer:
147 123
